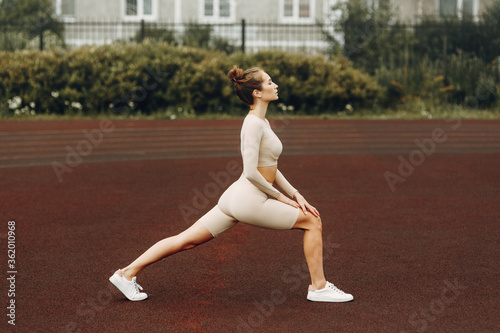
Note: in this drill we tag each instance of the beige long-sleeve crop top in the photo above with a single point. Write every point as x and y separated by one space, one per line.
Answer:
261 147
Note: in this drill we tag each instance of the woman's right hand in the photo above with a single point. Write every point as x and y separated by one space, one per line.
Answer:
283 198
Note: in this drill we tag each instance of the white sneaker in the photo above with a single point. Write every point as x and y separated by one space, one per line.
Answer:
329 294
129 288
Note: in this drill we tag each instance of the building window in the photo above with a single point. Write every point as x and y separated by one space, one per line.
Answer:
447 8
304 9
131 8
140 9
288 8
382 4
224 8
209 8
459 8
148 7
65 7
470 8
297 11
217 11
68 7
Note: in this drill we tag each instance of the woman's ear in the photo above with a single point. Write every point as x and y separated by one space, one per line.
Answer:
257 93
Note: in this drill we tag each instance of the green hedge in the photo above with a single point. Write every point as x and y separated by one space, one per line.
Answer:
469 82
153 77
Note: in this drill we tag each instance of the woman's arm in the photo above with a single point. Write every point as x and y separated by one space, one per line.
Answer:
281 181
251 136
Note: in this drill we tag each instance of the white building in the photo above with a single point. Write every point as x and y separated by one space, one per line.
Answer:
232 11
300 17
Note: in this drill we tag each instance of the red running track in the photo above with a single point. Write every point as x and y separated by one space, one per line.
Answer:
421 258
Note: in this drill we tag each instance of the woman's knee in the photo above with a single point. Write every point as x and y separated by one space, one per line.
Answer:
316 223
188 246
193 237
187 243
309 222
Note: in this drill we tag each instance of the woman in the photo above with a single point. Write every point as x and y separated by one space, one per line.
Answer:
251 199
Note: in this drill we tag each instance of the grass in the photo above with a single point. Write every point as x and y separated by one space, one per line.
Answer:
407 111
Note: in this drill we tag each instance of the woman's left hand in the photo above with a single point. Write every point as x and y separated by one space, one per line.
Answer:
304 205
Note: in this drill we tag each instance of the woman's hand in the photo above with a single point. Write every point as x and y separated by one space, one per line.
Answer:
304 205
283 198
299 203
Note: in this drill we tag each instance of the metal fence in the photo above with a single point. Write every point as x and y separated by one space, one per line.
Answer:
245 36
249 37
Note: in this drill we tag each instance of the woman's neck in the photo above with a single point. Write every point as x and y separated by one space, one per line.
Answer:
259 110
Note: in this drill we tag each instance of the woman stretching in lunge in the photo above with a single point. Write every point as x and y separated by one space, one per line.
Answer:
251 199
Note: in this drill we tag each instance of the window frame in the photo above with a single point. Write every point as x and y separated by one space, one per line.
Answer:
58 11
295 18
475 8
216 18
140 11
459 9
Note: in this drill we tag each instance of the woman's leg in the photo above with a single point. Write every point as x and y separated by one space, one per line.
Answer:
313 247
250 205
195 235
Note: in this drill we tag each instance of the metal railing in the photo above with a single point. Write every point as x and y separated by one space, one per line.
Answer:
248 37
244 36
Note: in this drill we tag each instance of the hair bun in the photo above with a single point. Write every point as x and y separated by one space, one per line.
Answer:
245 82
235 74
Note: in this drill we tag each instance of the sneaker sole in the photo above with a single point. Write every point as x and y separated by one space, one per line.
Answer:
326 300
113 280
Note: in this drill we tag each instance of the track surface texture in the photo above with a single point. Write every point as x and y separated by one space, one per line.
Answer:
410 211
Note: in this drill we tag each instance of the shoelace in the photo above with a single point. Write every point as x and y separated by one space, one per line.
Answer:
136 286
332 286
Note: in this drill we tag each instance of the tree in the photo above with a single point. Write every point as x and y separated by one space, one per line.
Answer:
369 39
23 20
491 21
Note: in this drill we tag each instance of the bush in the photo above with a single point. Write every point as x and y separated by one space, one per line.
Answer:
420 81
31 78
149 77
474 82
373 38
437 60
469 82
197 35
312 85
156 34
458 35
202 36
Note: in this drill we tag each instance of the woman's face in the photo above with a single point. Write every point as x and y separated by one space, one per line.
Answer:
269 89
